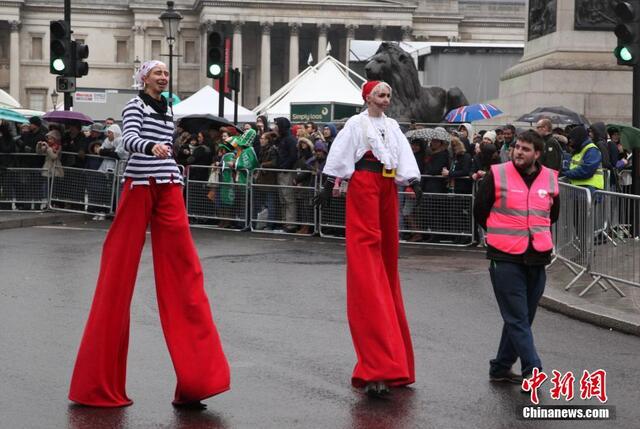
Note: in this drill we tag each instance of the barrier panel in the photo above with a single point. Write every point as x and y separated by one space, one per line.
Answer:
616 242
572 233
282 201
214 198
82 190
23 182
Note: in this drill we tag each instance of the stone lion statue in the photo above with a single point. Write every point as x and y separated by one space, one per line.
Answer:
410 100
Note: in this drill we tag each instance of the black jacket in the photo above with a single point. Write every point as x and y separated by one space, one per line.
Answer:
485 197
286 143
552 154
460 171
433 167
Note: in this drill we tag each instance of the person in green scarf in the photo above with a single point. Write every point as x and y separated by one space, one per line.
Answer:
246 160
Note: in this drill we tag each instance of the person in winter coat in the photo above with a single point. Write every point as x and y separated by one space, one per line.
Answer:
262 126
52 166
608 150
553 155
465 134
267 195
287 157
460 171
436 162
113 148
585 168
329 133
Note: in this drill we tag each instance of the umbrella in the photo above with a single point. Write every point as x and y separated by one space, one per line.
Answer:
195 123
473 112
10 115
429 134
556 114
67 117
174 97
629 136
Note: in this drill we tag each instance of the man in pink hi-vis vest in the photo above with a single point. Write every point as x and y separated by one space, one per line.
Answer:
516 204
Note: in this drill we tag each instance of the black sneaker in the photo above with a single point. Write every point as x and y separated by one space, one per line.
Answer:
506 376
376 389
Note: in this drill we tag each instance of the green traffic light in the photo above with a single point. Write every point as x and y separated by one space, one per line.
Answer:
625 54
215 69
58 65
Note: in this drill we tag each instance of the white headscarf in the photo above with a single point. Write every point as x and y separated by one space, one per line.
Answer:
145 68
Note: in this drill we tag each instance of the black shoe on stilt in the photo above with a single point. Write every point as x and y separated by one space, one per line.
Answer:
195 405
376 389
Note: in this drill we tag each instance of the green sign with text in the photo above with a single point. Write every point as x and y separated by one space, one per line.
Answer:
322 112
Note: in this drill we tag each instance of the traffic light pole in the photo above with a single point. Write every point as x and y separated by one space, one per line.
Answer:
68 98
221 96
635 160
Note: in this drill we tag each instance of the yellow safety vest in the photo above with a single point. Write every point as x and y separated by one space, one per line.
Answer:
595 181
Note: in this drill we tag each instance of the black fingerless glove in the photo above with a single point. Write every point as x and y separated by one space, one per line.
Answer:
323 198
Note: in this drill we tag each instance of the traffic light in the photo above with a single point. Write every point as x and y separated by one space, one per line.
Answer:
215 55
81 52
234 79
627 31
59 48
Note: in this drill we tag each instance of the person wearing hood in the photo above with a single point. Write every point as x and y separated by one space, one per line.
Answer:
112 147
373 153
465 134
608 149
287 157
585 168
329 133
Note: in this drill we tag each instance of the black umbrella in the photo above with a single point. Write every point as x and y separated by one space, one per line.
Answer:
556 114
196 123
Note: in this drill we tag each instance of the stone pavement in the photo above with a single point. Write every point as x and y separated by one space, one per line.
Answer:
603 308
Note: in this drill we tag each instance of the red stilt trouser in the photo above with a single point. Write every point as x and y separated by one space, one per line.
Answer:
374 301
199 361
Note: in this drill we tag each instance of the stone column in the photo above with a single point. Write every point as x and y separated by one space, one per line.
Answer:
14 61
236 48
351 34
407 33
323 29
294 49
205 27
265 61
379 30
138 42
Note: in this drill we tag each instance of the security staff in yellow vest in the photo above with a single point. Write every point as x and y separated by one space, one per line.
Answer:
586 163
516 203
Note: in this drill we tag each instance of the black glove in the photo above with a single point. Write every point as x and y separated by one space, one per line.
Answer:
323 198
417 189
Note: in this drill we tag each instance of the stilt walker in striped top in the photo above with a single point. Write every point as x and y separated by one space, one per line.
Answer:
152 194
373 153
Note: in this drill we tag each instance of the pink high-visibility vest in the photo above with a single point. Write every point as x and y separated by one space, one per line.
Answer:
521 213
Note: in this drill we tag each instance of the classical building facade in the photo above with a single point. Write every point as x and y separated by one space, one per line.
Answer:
271 41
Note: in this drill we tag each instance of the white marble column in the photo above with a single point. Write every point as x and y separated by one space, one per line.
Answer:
294 49
138 42
205 27
379 33
351 34
323 29
407 33
265 61
14 61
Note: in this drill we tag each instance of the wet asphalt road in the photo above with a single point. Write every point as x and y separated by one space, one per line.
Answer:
279 305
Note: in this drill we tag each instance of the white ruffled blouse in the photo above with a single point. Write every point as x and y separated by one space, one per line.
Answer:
382 137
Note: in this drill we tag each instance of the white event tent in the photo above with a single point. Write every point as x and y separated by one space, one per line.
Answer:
205 103
328 81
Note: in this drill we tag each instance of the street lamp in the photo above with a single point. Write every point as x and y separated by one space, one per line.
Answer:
54 99
171 22
136 68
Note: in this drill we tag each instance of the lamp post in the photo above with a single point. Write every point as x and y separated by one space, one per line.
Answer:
171 22
136 68
54 99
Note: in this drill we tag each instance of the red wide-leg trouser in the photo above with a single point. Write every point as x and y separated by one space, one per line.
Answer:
375 308
194 345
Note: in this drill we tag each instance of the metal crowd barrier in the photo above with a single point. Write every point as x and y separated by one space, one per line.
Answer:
23 182
444 218
215 201
616 242
573 233
284 207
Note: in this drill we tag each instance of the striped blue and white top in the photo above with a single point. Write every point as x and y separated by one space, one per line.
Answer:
142 127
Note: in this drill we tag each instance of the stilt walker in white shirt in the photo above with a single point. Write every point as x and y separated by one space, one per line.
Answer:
373 153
